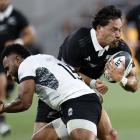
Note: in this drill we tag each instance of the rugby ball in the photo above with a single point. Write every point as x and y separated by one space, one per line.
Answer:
120 58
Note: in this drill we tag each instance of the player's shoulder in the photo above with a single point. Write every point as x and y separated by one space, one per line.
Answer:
16 12
27 62
39 57
124 46
120 45
83 31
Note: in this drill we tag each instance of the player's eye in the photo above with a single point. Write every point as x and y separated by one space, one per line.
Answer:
6 69
116 30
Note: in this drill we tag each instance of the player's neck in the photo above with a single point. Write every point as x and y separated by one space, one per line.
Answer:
101 41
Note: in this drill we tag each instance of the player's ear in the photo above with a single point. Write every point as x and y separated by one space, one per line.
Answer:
99 27
18 59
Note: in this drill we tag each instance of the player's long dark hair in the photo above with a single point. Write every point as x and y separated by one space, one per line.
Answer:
104 15
15 48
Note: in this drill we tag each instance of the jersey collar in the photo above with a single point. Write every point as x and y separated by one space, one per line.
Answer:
6 13
96 44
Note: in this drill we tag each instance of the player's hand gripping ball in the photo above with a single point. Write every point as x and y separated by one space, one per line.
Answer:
122 62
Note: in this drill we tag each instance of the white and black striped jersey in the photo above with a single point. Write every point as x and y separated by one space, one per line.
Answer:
55 81
12 23
81 49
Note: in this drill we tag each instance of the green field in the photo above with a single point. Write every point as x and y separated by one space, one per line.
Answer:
123 108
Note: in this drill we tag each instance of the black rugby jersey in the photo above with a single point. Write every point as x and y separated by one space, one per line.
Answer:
78 51
11 27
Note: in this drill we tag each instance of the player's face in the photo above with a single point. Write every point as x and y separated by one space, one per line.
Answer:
4 4
11 64
111 32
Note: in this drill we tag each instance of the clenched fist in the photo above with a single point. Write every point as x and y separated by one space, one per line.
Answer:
101 87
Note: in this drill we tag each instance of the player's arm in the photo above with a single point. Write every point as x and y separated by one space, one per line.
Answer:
97 84
130 83
26 30
28 35
24 99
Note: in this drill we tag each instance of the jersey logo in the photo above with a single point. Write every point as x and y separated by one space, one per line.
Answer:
3 28
107 57
88 58
92 65
12 21
70 112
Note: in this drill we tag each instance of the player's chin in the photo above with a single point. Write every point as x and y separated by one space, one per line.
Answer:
114 43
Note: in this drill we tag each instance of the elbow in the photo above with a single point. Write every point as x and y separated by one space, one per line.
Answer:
134 88
25 106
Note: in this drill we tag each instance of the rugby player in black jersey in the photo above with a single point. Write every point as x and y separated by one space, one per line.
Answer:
88 51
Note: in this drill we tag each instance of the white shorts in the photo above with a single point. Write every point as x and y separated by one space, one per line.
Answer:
60 129
81 123
63 132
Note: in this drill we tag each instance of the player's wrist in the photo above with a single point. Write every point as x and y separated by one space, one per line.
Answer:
19 41
124 81
93 84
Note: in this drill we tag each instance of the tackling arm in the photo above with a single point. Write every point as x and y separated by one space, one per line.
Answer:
95 84
28 35
24 99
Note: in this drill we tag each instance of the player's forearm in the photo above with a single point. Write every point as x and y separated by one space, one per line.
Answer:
28 36
15 106
86 79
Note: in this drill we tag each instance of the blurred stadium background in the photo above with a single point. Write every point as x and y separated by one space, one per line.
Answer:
55 19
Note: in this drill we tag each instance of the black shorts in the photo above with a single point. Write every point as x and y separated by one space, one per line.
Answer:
45 114
87 107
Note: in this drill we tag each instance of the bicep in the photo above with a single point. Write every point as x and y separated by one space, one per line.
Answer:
86 79
26 91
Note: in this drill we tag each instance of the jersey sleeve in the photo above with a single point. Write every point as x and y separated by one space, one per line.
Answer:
26 71
70 50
